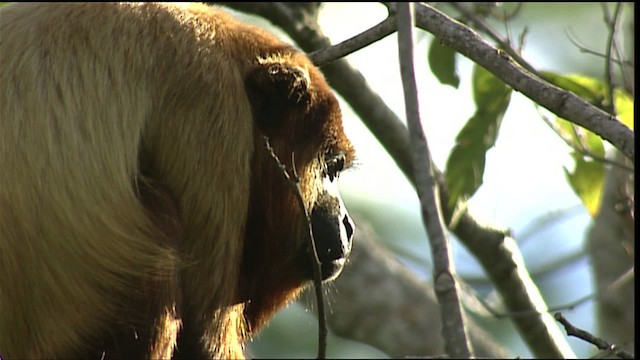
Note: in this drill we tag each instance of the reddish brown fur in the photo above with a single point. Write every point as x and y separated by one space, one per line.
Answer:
274 231
137 198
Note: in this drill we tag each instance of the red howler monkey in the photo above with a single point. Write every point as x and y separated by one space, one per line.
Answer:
140 213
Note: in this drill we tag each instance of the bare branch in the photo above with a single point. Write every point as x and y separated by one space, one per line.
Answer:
368 37
608 64
500 257
592 339
562 103
504 45
616 285
623 280
454 330
584 49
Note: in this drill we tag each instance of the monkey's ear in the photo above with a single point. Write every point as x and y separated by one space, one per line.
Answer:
274 90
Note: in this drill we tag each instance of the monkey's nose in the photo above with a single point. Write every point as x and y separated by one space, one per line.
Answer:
349 228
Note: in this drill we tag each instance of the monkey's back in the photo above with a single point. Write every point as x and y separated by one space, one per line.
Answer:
91 96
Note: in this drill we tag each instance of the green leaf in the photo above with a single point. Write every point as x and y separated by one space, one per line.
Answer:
593 91
580 138
465 166
587 180
588 88
442 61
624 107
490 94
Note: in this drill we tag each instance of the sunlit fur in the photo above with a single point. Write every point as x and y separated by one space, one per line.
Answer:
132 173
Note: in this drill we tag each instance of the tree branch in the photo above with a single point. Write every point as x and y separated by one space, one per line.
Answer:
562 103
368 37
590 338
608 64
499 255
504 45
454 330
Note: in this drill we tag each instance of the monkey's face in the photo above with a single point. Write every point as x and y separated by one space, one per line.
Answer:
330 222
294 108
296 111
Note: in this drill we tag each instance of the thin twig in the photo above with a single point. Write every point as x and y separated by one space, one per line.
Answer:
454 329
582 150
515 12
504 44
573 38
613 286
608 64
592 339
628 84
621 280
545 269
294 184
508 34
368 37
547 220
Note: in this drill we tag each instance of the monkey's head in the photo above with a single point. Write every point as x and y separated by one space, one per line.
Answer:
294 108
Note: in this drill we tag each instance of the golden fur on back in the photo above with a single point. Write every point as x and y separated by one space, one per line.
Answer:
58 163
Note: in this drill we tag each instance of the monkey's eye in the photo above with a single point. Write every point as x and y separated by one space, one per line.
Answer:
335 164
